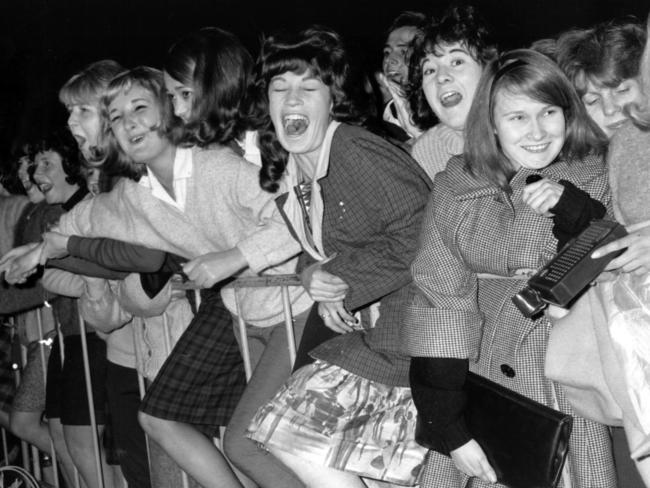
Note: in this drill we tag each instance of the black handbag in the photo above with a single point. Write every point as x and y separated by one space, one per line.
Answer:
526 442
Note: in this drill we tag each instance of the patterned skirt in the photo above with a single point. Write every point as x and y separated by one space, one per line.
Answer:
329 416
203 378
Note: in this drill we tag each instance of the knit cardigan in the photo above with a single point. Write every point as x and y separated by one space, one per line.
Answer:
225 208
435 147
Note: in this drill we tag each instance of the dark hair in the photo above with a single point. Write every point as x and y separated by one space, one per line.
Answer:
408 18
459 24
605 54
151 80
87 87
321 52
217 66
527 72
62 143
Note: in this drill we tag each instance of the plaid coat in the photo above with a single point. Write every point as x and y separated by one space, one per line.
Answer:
472 227
374 197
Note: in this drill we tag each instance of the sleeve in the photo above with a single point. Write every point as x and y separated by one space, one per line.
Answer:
100 307
573 212
134 299
391 191
442 327
444 319
86 268
271 242
116 255
63 283
439 397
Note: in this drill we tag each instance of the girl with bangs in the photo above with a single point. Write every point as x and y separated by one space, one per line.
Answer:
446 65
209 78
354 201
488 223
602 62
213 196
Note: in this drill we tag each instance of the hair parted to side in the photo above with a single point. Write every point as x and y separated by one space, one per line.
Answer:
530 73
87 87
217 66
61 142
606 54
459 24
407 18
150 79
319 51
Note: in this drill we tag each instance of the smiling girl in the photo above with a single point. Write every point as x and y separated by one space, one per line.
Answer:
213 196
446 66
484 227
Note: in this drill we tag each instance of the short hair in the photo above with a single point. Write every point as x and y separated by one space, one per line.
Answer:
150 79
87 88
61 142
408 18
527 72
321 52
217 66
459 24
605 54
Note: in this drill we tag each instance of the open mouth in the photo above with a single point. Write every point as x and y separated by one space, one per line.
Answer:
44 187
137 139
450 99
537 148
81 140
295 124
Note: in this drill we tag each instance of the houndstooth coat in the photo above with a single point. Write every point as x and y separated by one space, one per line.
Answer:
472 227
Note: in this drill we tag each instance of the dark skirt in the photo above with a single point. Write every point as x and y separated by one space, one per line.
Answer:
203 378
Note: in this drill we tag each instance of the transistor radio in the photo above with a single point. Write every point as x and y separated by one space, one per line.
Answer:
564 277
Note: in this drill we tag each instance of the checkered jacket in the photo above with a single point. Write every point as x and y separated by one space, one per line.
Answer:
472 227
374 197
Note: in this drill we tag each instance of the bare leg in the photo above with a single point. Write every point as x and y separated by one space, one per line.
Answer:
317 476
62 454
79 440
192 451
29 427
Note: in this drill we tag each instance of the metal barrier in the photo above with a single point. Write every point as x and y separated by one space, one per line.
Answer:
282 281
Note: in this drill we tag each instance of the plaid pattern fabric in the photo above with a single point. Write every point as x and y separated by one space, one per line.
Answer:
472 227
203 378
374 196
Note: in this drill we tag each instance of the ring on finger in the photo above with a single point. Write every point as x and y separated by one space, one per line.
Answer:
324 315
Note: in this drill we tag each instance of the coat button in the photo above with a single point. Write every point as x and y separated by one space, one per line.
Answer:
507 370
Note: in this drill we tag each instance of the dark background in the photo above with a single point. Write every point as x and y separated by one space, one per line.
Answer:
43 42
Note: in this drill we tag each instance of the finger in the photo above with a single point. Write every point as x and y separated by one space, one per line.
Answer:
612 247
487 473
344 314
638 226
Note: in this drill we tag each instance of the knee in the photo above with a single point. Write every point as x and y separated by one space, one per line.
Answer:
21 426
147 422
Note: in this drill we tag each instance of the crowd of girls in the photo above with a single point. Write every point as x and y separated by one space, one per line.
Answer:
215 168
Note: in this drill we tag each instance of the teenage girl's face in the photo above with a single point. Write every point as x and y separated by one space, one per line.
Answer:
450 77
300 106
135 116
182 97
84 123
531 134
605 104
51 178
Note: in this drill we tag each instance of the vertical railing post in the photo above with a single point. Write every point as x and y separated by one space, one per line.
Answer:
91 402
